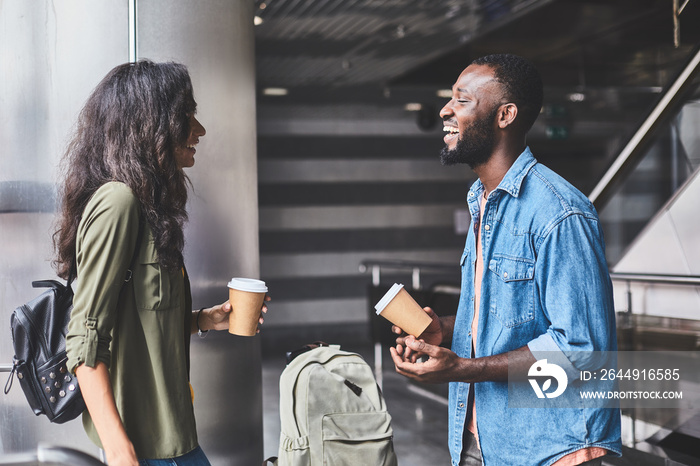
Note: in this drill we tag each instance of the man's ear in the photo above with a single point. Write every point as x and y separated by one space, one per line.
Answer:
506 115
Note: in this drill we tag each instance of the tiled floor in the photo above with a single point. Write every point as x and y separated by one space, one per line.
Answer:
419 422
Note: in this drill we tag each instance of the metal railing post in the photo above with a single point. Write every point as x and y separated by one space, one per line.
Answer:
629 297
415 278
376 274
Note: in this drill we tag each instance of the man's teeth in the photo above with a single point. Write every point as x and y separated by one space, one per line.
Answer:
450 129
191 146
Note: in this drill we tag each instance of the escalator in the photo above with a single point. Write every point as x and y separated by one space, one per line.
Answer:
648 205
655 165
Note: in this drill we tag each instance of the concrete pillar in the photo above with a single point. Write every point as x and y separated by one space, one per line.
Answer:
214 39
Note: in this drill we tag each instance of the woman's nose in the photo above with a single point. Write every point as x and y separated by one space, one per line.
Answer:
198 129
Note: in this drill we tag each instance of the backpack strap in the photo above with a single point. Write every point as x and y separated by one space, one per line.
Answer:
10 379
50 284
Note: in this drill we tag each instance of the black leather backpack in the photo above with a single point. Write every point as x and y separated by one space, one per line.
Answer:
39 330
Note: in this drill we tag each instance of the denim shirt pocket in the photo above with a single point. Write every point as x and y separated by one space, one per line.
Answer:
513 292
151 281
465 254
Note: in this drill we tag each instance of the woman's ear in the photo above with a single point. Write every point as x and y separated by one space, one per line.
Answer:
506 115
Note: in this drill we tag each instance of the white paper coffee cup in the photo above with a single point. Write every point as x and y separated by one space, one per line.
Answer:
246 296
398 307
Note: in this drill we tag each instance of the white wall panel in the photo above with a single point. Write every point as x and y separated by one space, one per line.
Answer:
670 244
354 217
359 170
685 215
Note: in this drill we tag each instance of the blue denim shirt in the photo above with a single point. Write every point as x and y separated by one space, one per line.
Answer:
545 285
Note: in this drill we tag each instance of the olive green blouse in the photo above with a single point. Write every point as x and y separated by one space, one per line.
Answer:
134 316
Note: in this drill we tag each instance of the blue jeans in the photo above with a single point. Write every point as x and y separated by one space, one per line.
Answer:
194 458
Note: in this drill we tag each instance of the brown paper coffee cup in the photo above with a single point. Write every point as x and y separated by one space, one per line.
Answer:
399 308
246 296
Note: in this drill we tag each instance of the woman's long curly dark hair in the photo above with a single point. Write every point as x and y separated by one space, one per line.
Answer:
128 131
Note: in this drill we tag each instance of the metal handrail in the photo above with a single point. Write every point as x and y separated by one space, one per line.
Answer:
47 454
660 279
376 266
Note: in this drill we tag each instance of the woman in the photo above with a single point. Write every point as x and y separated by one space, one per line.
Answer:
121 234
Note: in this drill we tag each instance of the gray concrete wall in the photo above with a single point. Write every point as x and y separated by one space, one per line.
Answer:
215 40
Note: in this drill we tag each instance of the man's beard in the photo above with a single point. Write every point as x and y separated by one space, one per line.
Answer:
474 145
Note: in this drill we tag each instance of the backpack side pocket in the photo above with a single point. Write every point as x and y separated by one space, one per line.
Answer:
294 452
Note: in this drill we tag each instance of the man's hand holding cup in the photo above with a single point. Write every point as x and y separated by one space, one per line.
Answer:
432 335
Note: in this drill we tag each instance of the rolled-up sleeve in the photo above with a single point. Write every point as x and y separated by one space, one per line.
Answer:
575 293
105 246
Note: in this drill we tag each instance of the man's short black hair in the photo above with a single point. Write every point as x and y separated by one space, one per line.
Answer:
522 83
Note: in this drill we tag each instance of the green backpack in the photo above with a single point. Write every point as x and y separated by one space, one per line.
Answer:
332 412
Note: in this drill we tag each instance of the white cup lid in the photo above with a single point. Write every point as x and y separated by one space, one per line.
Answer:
248 284
386 299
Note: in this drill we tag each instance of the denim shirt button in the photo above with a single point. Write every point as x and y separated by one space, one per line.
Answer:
487 227
461 405
505 274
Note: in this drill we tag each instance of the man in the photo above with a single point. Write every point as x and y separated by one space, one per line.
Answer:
534 282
